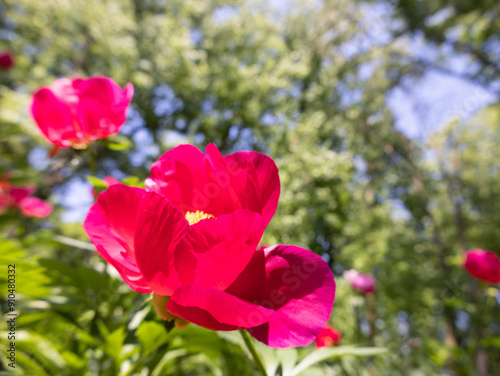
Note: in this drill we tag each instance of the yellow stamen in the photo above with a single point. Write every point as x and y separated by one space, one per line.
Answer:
195 217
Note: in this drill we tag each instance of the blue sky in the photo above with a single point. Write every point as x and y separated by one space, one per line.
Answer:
423 108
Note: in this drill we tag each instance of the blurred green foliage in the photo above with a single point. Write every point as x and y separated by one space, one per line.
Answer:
306 84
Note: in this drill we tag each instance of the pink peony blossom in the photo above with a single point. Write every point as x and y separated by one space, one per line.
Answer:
34 207
75 112
484 265
363 283
11 195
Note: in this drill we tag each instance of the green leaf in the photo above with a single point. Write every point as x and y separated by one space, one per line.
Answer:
271 358
169 356
119 146
73 360
321 355
96 182
491 342
151 335
133 181
119 142
288 359
113 341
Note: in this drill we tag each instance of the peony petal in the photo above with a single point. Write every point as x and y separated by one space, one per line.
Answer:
294 282
223 199
102 108
20 193
66 90
483 265
256 180
177 175
215 251
216 310
111 224
162 227
364 283
54 118
215 185
34 207
193 181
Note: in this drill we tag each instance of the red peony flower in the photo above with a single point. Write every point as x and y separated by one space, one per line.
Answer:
192 240
364 283
329 336
483 265
34 207
75 112
6 60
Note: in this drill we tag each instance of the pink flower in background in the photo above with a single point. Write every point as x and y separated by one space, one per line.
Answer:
6 60
11 195
75 112
329 336
20 193
363 283
484 265
192 241
17 197
34 207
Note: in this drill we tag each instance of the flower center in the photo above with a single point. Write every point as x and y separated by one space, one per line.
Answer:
195 217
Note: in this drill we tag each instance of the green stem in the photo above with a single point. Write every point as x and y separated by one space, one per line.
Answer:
255 354
92 160
478 323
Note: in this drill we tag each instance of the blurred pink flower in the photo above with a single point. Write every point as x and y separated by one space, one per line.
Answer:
11 195
34 207
484 265
17 197
19 193
6 60
329 336
363 283
75 112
